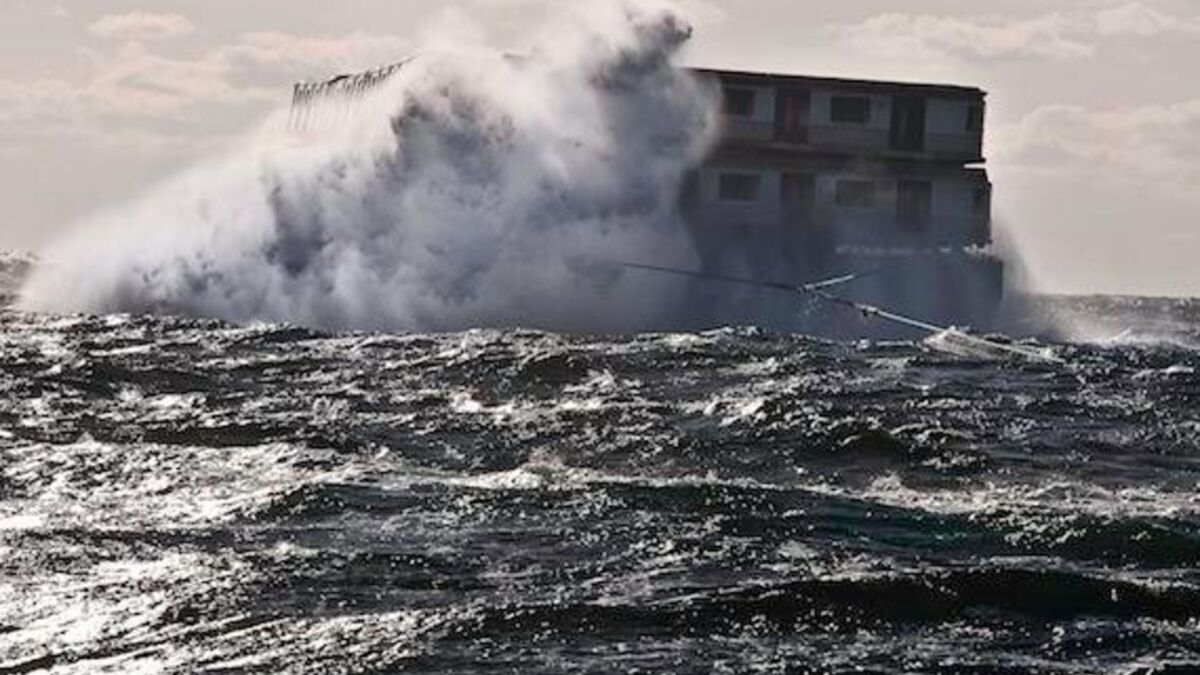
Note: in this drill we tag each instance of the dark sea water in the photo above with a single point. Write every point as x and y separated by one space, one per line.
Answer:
183 496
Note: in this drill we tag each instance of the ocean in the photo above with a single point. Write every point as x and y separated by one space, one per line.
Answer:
190 496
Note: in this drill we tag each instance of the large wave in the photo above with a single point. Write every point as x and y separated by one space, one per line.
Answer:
472 189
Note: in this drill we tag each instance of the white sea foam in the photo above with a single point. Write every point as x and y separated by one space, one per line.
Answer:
1065 498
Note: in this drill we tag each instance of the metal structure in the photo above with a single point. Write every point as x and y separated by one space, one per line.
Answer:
308 97
815 176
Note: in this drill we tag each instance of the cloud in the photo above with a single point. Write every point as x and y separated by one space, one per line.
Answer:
1056 35
966 38
135 96
272 58
1136 19
138 82
141 26
1155 145
134 79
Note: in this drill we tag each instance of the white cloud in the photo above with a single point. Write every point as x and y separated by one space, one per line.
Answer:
991 38
1155 145
1137 19
136 80
281 57
934 36
136 97
140 26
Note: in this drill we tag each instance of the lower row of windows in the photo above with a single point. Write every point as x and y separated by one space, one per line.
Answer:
745 187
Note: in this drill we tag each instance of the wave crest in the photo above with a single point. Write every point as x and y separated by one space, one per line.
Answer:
473 189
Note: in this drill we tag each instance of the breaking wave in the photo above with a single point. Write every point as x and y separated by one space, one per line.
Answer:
472 189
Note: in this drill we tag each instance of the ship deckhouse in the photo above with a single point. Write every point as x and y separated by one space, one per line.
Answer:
814 177
818 175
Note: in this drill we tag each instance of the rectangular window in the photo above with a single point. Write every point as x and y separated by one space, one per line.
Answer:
975 118
914 205
983 199
855 193
850 109
792 107
739 102
739 187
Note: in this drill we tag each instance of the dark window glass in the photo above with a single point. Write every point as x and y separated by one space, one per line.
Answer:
914 204
739 187
983 199
850 109
908 124
855 193
975 118
739 102
792 107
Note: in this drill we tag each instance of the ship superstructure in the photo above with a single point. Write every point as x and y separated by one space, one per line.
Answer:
815 177
818 176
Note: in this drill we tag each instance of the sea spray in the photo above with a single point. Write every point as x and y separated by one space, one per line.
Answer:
472 189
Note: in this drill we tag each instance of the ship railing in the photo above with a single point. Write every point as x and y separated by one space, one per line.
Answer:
313 102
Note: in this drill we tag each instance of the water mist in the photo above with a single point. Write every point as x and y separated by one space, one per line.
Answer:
471 189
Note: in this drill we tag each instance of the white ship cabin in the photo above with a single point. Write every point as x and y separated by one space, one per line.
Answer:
864 165
919 121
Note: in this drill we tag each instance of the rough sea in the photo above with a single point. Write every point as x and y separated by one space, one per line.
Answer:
188 496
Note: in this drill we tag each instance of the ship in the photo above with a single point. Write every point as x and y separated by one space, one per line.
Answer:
814 177
818 177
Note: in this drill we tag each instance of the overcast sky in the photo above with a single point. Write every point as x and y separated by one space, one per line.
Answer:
1094 118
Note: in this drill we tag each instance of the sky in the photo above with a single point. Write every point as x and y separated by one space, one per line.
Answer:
1093 137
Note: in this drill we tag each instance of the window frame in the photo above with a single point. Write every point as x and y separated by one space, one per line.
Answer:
981 199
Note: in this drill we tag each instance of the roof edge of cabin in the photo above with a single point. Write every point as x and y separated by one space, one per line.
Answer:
750 77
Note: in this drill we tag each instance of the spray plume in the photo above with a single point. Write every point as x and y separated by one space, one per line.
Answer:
468 189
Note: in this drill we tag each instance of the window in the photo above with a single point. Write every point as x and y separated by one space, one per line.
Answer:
792 108
739 187
850 109
975 118
983 199
914 205
855 193
739 102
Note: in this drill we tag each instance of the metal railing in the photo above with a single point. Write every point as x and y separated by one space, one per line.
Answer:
309 96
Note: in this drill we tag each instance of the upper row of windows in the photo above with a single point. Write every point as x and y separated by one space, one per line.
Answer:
740 102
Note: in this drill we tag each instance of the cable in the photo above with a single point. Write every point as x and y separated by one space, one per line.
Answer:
818 289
